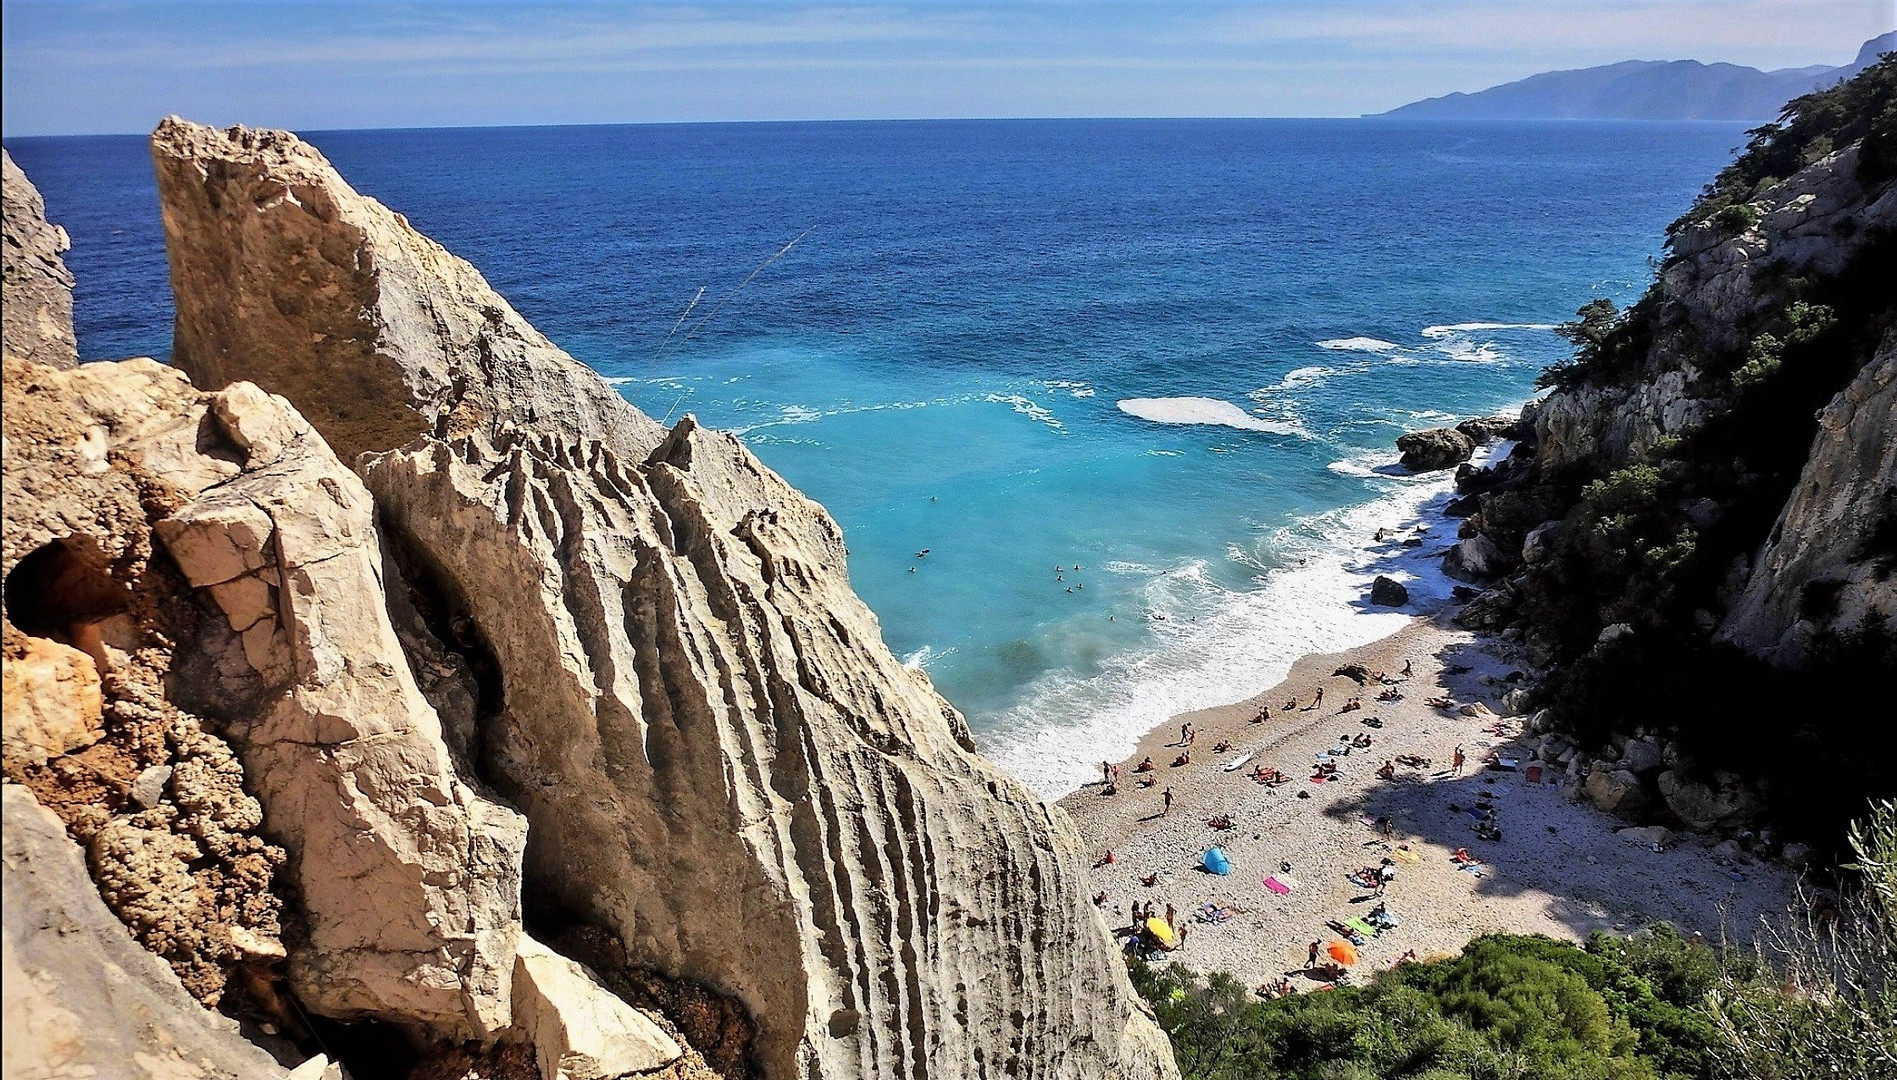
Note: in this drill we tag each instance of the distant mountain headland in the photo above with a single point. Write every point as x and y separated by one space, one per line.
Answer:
1645 90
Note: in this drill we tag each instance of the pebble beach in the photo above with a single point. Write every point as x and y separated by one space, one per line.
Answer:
1560 867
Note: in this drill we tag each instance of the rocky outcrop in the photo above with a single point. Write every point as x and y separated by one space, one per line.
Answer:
1434 448
1718 280
79 996
408 881
36 293
653 652
1830 562
92 457
284 276
724 766
1617 791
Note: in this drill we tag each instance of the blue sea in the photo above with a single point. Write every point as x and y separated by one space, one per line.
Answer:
1132 384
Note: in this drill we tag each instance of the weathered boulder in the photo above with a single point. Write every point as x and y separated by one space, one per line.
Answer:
52 704
286 277
1541 541
36 290
579 1030
1721 801
1476 558
1642 757
409 881
1616 791
79 996
1463 506
1821 568
1434 448
1388 592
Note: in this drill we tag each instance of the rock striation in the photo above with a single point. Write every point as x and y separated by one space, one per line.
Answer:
36 294
646 643
284 276
408 881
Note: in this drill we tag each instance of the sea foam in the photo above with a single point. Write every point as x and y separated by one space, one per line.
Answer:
1243 641
1359 344
1202 410
1474 327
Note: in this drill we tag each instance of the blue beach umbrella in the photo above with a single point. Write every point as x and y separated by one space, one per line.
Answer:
1216 861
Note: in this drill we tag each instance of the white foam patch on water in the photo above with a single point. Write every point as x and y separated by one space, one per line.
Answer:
1298 378
1359 344
925 657
1203 410
1078 389
1031 409
1475 327
618 380
1242 642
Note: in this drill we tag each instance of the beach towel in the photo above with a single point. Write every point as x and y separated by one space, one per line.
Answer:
1361 927
1233 765
1475 868
1406 855
1277 886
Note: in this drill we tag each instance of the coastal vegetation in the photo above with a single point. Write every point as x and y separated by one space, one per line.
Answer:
1812 997
1658 538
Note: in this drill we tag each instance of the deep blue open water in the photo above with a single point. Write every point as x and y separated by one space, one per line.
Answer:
1133 384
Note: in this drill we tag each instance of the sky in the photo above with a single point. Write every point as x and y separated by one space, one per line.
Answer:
77 67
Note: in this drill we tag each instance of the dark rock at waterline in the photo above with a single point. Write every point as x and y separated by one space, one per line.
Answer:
1462 594
1388 592
1462 507
1484 428
1357 672
1434 448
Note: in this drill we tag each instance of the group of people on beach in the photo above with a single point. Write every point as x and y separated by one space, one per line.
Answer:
1376 880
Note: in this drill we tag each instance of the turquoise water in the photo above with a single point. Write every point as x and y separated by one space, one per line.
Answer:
1157 363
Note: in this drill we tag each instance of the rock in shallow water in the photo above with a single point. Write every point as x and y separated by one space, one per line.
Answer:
1388 592
1434 448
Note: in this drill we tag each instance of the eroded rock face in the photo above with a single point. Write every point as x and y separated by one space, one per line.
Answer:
80 997
284 276
409 881
724 765
1823 567
36 290
94 455
579 1030
1812 223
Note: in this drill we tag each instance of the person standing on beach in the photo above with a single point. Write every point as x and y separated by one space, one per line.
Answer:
1457 760
1318 699
1310 961
1185 731
1168 797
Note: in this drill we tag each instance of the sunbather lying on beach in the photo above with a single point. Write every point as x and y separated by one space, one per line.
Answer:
1150 880
1145 765
1390 695
1388 771
1352 705
1223 821
1183 759
1441 701
1360 740
1268 776
1222 746
1413 761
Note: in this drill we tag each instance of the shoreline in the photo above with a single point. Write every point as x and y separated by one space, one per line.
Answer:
1314 603
1561 867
